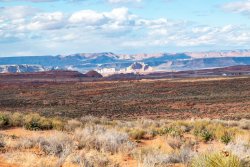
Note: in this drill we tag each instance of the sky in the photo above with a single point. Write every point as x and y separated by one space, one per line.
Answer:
52 27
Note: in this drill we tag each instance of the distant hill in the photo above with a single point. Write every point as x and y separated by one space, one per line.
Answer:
93 74
49 76
108 63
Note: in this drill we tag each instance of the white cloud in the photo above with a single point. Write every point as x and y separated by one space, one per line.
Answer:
17 12
111 30
88 17
46 21
238 7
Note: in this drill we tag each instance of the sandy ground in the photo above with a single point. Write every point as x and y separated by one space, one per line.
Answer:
3 163
20 132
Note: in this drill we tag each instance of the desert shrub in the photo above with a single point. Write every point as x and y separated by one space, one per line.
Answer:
241 148
216 160
223 133
225 123
244 124
90 159
150 157
144 123
183 126
103 139
90 119
58 124
155 158
4 120
204 134
175 142
58 144
72 125
152 133
217 129
24 143
172 131
200 124
27 159
45 123
226 138
30 121
17 119
185 154
36 122
137 134
201 130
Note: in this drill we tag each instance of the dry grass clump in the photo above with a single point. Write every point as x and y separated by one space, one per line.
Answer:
58 144
36 122
73 124
137 134
141 123
50 145
27 159
23 143
208 130
95 120
216 160
244 124
152 158
155 158
91 158
241 148
173 131
227 123
103 139
30 121
175 142
200 129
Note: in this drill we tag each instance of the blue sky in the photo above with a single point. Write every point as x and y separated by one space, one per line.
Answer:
51 27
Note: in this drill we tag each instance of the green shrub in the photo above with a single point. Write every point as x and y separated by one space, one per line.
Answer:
137 134
4 121
206 135
216 160
30 121
17 119
57 124
226 138
172 131
36 122
153 133
45 124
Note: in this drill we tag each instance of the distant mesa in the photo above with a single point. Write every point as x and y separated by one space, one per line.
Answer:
107 63
139 66
93 74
